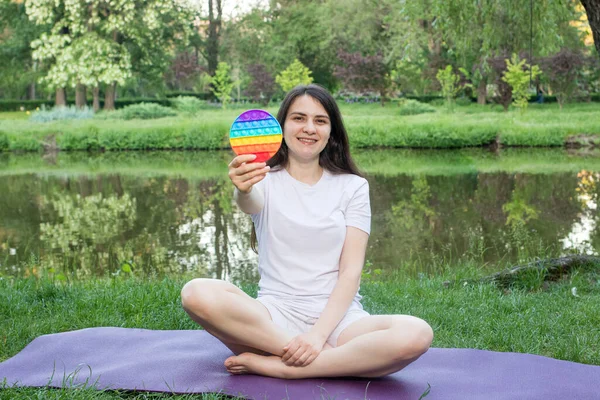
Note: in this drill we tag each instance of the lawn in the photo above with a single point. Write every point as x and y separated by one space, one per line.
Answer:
369 126
530 317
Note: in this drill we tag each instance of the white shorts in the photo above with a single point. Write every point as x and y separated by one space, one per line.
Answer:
299 317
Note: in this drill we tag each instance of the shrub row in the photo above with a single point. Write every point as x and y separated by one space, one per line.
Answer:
189 135
15 105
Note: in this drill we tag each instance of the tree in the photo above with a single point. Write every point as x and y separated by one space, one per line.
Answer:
276 35
363 73
93 43
592 9
184 71
214 34
262 86
18 72
222 85
518 75
561 71
476 31
503 91
449 82
295 74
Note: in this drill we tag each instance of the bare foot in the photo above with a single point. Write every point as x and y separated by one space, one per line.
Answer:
250 363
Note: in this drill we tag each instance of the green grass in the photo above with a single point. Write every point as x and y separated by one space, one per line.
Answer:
14 115
369 126
390 162
532 317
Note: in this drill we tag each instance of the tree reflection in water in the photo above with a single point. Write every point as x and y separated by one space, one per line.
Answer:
90 225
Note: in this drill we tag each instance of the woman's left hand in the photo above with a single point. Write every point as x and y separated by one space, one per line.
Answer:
303 349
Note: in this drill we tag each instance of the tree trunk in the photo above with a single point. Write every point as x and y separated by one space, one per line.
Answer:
96 102
592 9
214 32
31 92
80 96
109 96
482 92
61 98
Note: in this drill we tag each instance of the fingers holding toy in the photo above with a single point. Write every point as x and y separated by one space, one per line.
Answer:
244 174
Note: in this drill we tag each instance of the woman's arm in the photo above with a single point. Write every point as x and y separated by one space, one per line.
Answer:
351 265
251 202
245 175
303 349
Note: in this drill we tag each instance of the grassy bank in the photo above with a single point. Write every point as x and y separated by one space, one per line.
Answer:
532 317
369 125
390 162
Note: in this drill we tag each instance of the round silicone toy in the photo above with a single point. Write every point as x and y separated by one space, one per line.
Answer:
255 132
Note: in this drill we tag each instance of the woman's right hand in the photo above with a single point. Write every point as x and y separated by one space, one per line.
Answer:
244 174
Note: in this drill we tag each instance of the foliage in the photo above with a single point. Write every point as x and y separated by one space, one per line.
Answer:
93 43
470 33
61 113
18 72
362 73
188 105
142 111
262 86
86 227
222 84
4 142
503 91
185 71
449 82
518 75
203 82
561 72
295 74
408 77
414 107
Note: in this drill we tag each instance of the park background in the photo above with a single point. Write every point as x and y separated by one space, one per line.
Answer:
477 124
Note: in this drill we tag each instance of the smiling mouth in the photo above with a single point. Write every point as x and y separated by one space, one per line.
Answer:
307 141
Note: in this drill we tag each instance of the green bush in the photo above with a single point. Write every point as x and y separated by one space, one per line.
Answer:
142 111
189 105
437 102
464 101
23 105
414 107
61 113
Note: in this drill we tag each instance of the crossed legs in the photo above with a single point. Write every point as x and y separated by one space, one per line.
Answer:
373 346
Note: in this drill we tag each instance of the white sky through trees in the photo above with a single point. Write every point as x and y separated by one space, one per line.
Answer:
232 8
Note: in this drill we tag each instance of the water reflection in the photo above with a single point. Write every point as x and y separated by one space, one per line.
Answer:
580 236
99 224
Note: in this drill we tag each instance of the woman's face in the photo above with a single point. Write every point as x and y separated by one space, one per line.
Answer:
307 129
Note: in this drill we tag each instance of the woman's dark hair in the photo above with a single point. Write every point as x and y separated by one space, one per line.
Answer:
335 157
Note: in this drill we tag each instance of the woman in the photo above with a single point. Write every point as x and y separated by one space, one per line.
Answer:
311 213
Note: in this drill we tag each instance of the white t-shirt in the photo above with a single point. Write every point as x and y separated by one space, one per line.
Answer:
301 231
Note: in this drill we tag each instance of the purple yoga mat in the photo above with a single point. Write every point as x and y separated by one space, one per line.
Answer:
192 362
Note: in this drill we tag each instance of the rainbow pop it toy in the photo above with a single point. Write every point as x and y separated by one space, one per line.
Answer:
255 132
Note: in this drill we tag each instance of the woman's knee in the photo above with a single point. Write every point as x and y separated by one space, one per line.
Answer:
417 335
199 296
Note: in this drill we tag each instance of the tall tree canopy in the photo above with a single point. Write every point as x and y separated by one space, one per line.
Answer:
102 42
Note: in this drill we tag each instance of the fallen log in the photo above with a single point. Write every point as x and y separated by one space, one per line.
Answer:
552 268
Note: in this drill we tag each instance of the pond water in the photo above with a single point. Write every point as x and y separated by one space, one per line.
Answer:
83 215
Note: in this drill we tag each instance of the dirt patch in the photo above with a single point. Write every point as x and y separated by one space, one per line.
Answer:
49 144
582 140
